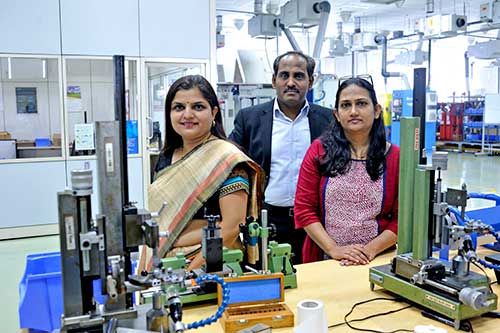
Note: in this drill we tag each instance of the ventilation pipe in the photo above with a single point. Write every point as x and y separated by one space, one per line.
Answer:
258 6
218 28
290 38
382 40
467 81
429 7
323 8
339 30
357 24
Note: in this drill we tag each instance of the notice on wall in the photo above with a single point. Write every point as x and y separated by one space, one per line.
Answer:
26 100
84 137
74 99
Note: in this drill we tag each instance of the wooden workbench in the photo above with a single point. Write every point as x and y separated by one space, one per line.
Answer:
339 287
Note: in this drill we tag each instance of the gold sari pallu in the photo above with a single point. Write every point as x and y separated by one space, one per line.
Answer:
189 182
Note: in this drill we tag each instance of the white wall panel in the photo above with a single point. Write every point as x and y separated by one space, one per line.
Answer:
29 193
96 27
29 26
175 29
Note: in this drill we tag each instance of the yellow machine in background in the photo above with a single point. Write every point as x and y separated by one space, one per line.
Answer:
386 100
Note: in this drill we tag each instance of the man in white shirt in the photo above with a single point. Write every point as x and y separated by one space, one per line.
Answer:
277 134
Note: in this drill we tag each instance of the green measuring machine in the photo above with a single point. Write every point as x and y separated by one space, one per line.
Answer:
447 289
275 258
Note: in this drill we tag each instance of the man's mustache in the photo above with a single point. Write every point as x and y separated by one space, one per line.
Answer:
291 89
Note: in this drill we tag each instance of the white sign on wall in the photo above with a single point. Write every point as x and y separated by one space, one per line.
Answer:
492 109
84 137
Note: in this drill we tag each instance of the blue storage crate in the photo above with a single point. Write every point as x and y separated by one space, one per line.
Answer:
41 302
42 142
40 293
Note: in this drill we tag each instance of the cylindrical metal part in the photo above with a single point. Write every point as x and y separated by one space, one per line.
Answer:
408 160
460 266
81 182
157 317
473 298
440 286
157 303
265 265
421 202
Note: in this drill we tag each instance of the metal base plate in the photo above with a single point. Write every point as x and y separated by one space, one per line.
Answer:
446 306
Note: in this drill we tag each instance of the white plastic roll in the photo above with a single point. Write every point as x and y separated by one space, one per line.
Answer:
311 317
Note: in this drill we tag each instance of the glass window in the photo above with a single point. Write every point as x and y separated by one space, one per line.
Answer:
30 107
89 94
160 77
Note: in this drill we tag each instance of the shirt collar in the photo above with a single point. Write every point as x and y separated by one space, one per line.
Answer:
277 111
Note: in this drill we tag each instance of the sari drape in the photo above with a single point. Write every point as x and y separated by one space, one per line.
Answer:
189 182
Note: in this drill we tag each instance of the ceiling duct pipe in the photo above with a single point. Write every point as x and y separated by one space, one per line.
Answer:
357 24
467 81
218 28
290 37
258 6
429 7
382 40
323 9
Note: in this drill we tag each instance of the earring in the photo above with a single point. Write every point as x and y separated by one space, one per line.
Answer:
213 123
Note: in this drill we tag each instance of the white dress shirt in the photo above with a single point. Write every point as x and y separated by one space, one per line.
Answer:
289 142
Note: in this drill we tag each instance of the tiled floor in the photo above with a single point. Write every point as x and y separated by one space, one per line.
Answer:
480 173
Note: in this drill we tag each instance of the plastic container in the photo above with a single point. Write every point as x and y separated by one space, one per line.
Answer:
41 301
40 293
42 142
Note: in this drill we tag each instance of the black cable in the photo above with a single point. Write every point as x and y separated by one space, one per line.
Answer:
372 316
348 322
486 275
467 326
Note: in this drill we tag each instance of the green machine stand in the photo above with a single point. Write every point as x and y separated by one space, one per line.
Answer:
447 289
280 261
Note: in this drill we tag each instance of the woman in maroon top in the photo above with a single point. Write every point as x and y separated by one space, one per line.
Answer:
347 192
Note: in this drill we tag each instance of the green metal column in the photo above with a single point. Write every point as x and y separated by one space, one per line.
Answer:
408 161
421 214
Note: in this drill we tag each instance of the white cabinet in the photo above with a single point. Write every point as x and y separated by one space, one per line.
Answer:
175 29
30 26
96 27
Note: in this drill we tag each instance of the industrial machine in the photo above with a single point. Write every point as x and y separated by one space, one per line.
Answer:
447 289
101 248
402 106
261 258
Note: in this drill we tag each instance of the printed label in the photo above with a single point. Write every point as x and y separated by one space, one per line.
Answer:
417 138
440 302
69 223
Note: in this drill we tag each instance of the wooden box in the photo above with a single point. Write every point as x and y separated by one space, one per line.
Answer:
255 299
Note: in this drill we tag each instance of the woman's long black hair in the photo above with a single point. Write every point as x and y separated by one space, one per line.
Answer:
337 158
172 139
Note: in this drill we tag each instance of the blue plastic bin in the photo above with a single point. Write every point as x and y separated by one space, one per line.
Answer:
42 142
41 301
40 293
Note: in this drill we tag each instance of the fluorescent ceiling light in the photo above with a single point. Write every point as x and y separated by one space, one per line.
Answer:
380 2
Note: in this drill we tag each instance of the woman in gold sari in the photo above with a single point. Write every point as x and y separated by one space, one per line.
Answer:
199 172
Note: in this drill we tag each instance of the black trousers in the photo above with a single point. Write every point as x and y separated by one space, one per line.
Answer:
282 218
